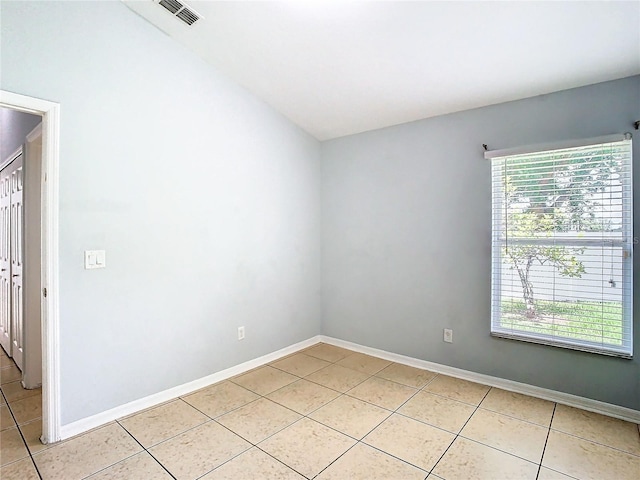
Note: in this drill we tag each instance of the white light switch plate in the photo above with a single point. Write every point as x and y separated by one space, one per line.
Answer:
95 259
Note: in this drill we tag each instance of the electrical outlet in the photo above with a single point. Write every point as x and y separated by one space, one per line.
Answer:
448 335
240 333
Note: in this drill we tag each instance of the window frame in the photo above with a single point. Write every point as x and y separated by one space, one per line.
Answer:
626 243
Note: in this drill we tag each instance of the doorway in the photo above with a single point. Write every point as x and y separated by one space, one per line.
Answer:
46 297
11 251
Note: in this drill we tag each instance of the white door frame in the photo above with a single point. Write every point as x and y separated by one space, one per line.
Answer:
50 112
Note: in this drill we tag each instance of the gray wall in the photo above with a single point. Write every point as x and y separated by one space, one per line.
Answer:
14 127
206 200
406 238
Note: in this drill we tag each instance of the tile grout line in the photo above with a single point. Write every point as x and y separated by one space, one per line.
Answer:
256 445
280 461
143 449
307 415
253 445
458 434
221 425
476 408
212 419
546 440
109 466
209 420
342 394
515 418
404 415
479 407
421 389
339 457
392 412
227 412
24 441
373 375
396 412
394 456
499 450
226 461
569 434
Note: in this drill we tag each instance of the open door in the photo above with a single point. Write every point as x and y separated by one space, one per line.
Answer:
17 253
32 268
5 261
11 257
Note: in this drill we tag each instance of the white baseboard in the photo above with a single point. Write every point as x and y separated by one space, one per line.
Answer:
596 406
89 423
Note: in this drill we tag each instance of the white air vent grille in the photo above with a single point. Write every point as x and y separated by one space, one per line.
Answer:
180 10
172 5
187 16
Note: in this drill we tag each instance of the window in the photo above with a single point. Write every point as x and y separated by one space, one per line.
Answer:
562 246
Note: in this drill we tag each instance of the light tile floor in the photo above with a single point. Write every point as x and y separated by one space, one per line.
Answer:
326 413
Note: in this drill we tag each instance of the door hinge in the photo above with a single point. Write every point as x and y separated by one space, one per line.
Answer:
44 292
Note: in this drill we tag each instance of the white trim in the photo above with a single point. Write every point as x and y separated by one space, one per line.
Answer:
35 133
50 113
4 164
501 239
616 411
85 424
491 154
627 263
553 341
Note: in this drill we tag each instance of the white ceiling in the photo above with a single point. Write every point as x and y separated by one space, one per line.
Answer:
337 68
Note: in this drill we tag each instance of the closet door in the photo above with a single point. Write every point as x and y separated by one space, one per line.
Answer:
5 260
17 254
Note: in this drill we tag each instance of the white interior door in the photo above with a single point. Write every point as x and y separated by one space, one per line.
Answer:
17 254
5 260
32 267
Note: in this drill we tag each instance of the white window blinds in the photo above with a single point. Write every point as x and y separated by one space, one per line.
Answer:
562 247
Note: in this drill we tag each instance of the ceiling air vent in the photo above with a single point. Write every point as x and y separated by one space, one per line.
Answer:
181 11
187 16
172 5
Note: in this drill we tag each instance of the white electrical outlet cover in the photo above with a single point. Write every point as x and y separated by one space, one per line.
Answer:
448 335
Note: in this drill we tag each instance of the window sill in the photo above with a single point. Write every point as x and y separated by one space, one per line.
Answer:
584 347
